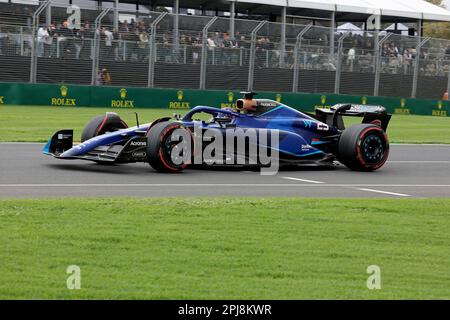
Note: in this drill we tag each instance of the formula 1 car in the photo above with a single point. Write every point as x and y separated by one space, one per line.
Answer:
303 138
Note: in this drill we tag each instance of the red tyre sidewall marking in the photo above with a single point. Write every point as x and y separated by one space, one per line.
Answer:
358 148
376 123
168 166
161 156
387 153
99 129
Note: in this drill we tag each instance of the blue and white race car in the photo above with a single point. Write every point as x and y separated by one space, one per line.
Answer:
302 138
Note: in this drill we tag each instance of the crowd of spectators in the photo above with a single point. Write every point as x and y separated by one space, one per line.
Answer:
130 42
398 56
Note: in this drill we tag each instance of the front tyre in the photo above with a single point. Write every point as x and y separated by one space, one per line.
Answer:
363 147
169 146
110 122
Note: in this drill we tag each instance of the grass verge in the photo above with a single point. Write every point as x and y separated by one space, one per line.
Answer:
224 248
37 124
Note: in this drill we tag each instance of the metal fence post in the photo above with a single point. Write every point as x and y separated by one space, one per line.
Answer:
232 18
240 57
152 51
33 62
448 82
283 38
176 24
332 32
204 57
21 41
297 48
48 15
251 67
337 79
417 66
378 64
96 53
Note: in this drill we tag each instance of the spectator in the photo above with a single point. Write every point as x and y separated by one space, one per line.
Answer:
124 28
211 47
211 43
143 42
42 38
79 42
106 77
109 37
98 78
407 61
196 49
64 35
430 69
351 58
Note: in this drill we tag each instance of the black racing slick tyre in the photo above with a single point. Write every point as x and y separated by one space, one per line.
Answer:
110 122
169 147
363 147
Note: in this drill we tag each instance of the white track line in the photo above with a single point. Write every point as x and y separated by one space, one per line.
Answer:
121 185
421 144
384 192
418 161
302 180
22 143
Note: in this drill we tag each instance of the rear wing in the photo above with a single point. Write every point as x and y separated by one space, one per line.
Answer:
370 113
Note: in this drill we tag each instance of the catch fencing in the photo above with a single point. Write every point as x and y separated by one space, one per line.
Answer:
163 50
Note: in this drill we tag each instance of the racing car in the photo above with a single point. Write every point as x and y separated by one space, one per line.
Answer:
318 138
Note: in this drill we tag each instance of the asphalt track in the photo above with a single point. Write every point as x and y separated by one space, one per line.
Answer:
413 171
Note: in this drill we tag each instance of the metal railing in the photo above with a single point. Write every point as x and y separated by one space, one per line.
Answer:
212 53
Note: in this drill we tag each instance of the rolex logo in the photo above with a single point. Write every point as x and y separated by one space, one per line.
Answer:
180 95
122 103
278 97
64 91
323 99
180 104
402 103
123 93
440 105
230 96
364 100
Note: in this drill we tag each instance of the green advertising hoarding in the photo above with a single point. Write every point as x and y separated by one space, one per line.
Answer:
182 99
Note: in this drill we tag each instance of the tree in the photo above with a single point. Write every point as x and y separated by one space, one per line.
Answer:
439 30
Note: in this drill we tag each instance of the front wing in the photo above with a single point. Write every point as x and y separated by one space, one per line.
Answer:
129 151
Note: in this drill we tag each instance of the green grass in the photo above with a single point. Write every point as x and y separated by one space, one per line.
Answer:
225 248
37 124
416 129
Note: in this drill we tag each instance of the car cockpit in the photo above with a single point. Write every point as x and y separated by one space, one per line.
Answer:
255 107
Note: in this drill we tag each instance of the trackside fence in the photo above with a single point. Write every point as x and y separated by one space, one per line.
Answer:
163 50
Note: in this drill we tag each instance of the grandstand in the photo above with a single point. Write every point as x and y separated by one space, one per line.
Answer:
283 46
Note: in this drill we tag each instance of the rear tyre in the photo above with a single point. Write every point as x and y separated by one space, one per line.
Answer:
110 122
363 147
165 153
